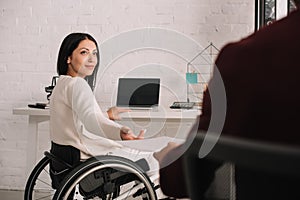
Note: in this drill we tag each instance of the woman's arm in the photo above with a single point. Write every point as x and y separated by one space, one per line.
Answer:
86 108
89 113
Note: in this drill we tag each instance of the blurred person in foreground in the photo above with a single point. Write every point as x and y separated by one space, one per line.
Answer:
261 78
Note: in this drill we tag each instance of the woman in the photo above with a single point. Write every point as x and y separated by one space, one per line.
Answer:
78 128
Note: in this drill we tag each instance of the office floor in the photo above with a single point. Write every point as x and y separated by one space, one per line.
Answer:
11 194
16 195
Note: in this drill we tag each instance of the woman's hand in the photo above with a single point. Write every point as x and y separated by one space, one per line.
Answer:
113 112
127 134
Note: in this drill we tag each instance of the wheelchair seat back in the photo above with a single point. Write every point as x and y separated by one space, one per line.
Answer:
63 159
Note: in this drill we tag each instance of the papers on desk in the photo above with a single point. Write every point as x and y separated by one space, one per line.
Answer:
150 144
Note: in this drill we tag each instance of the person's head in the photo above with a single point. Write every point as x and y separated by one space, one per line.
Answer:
79 56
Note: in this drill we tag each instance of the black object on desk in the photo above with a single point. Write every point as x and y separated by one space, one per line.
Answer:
182 105
38 105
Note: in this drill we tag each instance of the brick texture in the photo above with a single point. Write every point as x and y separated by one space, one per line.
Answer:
32 30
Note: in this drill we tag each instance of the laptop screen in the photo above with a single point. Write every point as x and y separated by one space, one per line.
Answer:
138 92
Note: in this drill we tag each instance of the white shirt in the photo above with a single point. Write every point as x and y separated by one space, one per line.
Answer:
77 120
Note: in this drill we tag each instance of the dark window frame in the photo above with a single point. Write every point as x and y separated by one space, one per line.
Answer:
265 12
262 9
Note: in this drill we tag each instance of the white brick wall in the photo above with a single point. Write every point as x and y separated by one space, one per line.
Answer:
32 30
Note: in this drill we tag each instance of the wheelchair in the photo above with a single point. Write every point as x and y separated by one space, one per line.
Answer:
100 177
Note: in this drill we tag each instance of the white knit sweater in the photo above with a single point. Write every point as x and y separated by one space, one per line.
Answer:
77 120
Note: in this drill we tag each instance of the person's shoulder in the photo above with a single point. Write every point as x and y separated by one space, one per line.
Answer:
244 46
232 48
65 78
79 79
70 82
234 53
80 83
284 28
70 79
266 33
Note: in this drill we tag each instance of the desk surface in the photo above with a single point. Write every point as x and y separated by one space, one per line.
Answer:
141 114
31 111
157 116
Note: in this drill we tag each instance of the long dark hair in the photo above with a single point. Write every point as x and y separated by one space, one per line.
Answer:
69 44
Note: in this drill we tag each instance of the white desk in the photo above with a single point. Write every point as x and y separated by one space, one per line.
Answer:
36 116
157 123
171 123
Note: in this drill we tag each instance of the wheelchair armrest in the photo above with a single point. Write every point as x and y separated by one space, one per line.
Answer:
57 159
143 164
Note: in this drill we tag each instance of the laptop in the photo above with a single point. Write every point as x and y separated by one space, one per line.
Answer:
138 93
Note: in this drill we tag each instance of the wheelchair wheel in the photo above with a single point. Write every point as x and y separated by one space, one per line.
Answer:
106 177
38 185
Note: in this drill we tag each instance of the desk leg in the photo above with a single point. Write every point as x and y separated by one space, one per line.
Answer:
32 143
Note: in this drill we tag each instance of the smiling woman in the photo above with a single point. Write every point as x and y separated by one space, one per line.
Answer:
83 60
78 127
74 44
